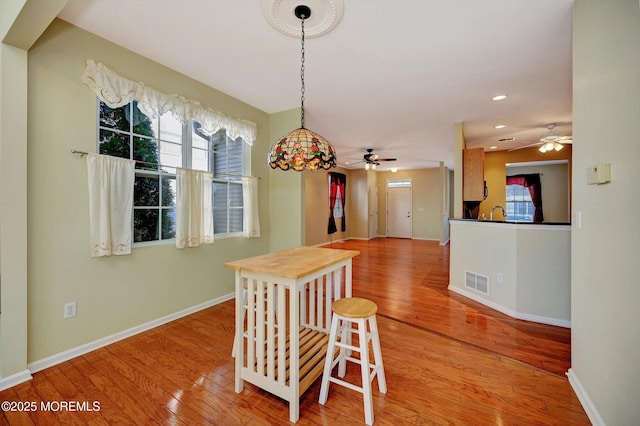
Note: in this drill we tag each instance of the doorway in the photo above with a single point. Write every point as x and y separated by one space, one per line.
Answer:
399 208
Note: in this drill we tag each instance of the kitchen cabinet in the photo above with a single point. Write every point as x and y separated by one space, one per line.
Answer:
473 175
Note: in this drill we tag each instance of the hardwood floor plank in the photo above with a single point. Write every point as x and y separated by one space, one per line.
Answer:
448 361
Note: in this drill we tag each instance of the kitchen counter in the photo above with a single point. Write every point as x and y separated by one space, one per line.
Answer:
519 268
515 222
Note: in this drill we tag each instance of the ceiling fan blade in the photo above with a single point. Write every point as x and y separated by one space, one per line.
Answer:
524 146
386 159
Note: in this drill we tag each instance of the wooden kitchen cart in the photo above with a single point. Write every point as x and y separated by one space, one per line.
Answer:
283 316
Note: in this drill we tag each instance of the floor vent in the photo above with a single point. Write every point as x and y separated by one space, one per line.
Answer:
477 282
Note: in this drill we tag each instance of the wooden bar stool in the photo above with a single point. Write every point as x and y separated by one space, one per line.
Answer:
362 313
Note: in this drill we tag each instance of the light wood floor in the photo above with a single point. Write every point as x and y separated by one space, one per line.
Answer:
440 369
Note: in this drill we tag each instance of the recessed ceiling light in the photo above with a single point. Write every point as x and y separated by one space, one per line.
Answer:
394 169
499 97
500 126
346 162
493 147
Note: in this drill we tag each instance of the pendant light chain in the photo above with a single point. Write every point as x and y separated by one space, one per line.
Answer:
302 78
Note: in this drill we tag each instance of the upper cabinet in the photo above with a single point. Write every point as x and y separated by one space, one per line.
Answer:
473 175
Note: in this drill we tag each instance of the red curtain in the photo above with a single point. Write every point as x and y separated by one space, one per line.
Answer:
532 182
337 181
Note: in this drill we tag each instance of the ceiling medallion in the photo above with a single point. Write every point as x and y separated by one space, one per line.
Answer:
326 15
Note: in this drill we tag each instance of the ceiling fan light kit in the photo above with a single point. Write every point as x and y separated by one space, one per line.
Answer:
302 149
371 160
549 142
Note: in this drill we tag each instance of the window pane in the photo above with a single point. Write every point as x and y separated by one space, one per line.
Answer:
220 194
235 220
170 128
220 221
116 144
145 225
398 183
170 154
234 158
146 151
235 195
198 140
146 191
519 205
168 191
114 118
200 159
142 125
168 223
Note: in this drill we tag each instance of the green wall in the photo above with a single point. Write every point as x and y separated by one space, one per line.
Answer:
120 292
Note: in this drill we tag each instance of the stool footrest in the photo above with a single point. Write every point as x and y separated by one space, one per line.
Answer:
346 346
346 384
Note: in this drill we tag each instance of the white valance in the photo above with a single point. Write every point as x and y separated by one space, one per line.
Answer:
116 91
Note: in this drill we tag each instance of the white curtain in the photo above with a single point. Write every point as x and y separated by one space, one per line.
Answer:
117 91
250 220
194 208
111 182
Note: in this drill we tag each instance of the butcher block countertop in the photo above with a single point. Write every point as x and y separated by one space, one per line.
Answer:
292 263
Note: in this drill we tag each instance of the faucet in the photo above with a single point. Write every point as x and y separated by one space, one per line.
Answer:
497 207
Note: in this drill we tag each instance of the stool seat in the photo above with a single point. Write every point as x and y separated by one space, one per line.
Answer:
354 307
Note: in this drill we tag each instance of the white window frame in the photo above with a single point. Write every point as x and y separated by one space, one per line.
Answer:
186 144
526 200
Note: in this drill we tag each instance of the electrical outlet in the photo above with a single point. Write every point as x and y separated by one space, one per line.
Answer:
69 310
499 277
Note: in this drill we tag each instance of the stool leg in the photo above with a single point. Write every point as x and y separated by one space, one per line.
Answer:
377 355
345 334
328 361
365 370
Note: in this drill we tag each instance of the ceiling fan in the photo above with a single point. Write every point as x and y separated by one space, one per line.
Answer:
550 141
372 160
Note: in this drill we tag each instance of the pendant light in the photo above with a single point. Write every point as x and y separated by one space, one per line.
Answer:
302 149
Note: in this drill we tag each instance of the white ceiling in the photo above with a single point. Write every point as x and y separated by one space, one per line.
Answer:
394 75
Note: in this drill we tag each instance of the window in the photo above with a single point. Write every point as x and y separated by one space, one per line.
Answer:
519 204
227 157
399 183
162 144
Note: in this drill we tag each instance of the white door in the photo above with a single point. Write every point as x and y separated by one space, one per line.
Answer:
399 212
373 211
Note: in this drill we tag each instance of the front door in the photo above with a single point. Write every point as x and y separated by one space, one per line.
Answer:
399 212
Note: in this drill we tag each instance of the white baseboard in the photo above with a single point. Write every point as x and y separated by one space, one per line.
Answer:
514 314
97 344
587 404
15 379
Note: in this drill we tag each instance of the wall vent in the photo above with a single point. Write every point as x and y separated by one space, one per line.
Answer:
477 282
